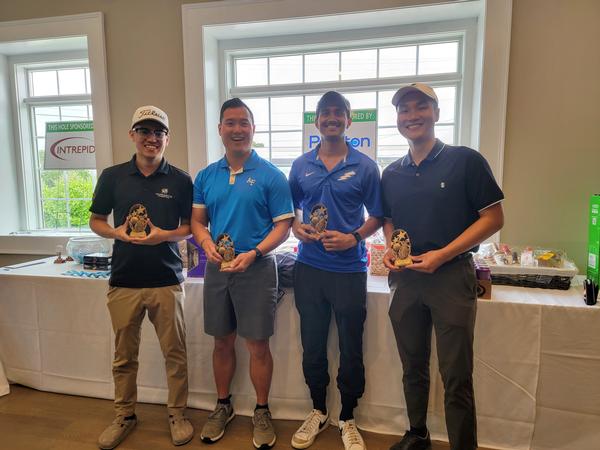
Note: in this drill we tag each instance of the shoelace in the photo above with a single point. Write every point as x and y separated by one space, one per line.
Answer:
350 432
311 424
262 420
219 412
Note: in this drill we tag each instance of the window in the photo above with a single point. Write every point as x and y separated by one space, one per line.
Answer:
57 92
279 87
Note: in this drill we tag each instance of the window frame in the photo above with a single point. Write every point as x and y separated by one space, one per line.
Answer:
462 32
31 213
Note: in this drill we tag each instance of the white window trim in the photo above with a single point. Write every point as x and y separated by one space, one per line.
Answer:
205 24
463 31
19 67
92 27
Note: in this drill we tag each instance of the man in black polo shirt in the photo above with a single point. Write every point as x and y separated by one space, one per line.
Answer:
146 271
447 200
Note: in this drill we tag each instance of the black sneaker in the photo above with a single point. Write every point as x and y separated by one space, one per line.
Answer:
412 441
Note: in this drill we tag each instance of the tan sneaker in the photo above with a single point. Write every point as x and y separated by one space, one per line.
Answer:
182 430
116 432
350 436
214 428
314 423
263 436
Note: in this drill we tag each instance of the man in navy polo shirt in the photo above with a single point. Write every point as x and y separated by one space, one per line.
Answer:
331 270
146 271
249 199
447 200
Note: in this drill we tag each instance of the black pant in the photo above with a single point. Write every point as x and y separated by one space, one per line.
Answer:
317 292
446 299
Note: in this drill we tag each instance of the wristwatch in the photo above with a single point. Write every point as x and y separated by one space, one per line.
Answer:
357 236
258 252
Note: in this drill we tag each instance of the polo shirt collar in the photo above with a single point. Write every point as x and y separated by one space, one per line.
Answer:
352 157
162 168
436 150
251 163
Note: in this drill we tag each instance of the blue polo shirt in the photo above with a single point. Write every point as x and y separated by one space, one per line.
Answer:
441 197
346 191
243 204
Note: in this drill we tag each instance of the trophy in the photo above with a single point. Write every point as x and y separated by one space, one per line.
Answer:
401 248
226 249
319 217
137 220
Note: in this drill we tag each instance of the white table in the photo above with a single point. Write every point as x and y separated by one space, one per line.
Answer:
537 358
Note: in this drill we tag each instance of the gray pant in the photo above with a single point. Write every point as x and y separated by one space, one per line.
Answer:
446 300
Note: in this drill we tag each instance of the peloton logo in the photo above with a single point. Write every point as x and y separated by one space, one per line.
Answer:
347 175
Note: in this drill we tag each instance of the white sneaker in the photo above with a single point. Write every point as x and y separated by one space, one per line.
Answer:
350 436
314 423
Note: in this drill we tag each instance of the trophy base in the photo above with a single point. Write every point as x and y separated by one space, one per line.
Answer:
403 262
138 234
226 264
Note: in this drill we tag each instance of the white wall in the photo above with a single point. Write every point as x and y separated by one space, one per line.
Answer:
8 167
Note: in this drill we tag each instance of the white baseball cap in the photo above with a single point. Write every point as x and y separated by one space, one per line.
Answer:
150 112
414 87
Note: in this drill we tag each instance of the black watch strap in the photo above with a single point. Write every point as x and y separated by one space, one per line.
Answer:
258 252
357 236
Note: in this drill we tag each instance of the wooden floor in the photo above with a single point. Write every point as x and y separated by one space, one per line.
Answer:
32 420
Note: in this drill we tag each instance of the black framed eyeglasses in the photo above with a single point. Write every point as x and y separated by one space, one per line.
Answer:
146 132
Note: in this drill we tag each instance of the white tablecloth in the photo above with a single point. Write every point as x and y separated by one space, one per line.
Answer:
537 358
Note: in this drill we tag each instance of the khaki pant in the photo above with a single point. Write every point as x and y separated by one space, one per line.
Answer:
127 309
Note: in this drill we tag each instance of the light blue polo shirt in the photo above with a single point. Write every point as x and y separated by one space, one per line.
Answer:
350 187
243 204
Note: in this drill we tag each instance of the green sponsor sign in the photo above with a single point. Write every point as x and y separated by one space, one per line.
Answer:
65 127
359 115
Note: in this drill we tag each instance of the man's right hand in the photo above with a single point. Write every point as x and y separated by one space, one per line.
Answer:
388 261
210 249
305 232
121 233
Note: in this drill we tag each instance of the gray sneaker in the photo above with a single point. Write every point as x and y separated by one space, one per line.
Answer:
214 428
264 432
116 432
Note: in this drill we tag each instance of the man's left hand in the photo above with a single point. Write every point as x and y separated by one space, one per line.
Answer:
334 241
156 236
241 262
427 262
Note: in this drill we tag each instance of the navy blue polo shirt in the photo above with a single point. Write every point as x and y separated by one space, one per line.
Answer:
167 196
346 191
243 204
441 197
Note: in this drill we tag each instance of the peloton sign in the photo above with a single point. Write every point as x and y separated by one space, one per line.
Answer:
362 133
70 145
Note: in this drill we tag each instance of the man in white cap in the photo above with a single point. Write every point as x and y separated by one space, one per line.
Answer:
146 270
447 200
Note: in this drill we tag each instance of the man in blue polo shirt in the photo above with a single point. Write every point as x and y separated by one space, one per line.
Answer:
447 200
248 198
330 272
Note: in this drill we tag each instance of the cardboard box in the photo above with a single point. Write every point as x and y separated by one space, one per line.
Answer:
594 240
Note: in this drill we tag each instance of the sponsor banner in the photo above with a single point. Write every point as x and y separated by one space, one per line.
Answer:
70 145
362 134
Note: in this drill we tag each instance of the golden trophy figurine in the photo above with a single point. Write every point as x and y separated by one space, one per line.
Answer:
226 249
137 221
401 248
319 217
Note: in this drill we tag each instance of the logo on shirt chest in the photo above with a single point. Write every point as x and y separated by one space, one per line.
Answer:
347 175
164 193
251 181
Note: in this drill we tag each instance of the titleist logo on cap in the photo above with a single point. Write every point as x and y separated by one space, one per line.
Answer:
151 112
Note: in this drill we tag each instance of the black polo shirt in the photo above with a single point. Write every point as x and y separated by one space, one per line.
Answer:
167 196
441 197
